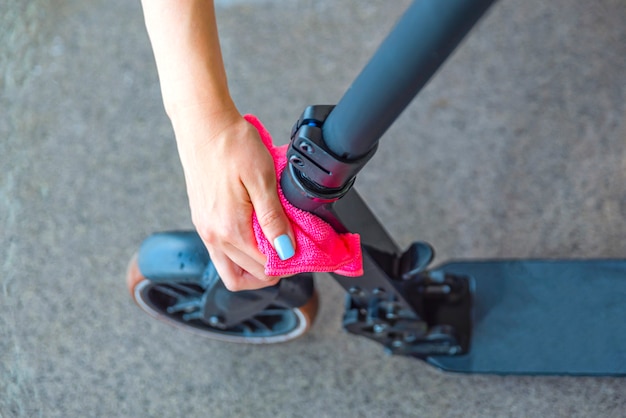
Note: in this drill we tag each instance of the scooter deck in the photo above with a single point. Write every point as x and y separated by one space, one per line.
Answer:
557 317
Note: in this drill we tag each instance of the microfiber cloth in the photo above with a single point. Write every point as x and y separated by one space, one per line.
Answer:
319 248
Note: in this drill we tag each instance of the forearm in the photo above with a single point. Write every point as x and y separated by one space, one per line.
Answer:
191 71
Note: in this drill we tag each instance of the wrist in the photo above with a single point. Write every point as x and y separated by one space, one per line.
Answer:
186 100
198 121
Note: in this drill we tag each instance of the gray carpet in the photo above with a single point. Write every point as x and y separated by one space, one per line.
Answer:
516 149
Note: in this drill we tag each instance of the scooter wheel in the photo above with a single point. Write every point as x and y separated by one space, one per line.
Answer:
275 324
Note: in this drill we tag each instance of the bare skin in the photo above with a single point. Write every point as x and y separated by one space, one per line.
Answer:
228 171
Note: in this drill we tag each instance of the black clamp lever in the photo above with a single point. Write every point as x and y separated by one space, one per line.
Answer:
313 167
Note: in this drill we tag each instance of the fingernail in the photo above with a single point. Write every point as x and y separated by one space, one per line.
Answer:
283 247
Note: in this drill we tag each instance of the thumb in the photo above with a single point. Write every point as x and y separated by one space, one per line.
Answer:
274 223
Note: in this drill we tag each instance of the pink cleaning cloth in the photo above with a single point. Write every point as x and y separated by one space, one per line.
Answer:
319 248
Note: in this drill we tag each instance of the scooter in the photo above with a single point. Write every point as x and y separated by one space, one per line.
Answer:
537 317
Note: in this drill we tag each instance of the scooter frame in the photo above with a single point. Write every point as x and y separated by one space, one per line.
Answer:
398 302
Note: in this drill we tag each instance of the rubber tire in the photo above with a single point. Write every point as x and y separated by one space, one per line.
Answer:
306 314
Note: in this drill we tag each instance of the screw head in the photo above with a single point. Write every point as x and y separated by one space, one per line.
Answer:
306 147
295 160
215 321
391 315
355 291
379 328
397 343
379 291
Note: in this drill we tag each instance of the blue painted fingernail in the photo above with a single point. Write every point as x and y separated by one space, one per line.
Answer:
284 248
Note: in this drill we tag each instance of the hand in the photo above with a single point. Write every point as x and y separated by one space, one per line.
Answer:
229 174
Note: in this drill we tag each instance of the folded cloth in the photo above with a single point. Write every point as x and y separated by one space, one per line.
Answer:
319 248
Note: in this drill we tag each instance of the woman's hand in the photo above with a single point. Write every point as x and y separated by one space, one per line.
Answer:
229 174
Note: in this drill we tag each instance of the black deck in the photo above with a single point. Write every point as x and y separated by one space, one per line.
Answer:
564 317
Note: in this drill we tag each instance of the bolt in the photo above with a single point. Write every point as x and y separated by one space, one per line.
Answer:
379 328
355 291
391 315
306 147
215 321
294 159
379 291
454 350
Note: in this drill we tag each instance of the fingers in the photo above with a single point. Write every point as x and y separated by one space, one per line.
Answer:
272 219
240 272
236 256
226 183
234 250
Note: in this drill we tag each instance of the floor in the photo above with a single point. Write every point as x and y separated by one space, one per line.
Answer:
517 148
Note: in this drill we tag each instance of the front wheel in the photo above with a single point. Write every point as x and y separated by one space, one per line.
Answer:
174 303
